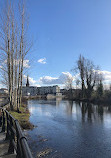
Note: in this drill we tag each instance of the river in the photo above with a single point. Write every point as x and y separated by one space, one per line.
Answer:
69 129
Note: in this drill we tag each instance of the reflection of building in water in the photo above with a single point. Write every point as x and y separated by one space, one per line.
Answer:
55 102
33 91
58 100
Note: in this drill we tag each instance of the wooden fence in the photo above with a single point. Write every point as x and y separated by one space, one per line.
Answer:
18 142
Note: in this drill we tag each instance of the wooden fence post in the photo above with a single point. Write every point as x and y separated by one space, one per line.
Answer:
7 134
3 121
0 118
12 137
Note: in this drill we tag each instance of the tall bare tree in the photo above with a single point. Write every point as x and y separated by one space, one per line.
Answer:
81 68
68 83
14 48
89 75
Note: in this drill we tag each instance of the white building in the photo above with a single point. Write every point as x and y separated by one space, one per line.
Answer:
33 91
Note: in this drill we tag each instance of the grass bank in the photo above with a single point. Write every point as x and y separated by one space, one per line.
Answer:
23 117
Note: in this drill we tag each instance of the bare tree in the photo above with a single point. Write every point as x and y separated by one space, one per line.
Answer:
81 69
69 85
89 76
14 48
68 82
77 83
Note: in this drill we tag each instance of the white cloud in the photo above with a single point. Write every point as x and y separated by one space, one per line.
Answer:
32 82
42 61
2 86
47 80
26 64
106 75
60 80
56 80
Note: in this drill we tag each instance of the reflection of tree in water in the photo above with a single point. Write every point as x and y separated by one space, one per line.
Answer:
100 112
69 107
109 108
91 112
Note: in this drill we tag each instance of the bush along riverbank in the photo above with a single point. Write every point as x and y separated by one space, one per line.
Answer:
22 117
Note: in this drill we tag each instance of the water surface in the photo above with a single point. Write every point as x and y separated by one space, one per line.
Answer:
70 129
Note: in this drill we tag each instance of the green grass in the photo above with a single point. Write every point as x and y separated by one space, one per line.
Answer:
22 117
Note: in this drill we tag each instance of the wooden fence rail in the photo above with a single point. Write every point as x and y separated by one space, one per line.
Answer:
18 142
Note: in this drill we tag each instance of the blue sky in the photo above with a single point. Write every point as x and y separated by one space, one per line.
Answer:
64 29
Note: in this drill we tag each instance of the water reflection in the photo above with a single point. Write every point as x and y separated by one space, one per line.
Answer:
69 107
74 129
46 102
87 112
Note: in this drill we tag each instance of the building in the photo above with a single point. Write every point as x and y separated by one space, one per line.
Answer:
3 91
33 91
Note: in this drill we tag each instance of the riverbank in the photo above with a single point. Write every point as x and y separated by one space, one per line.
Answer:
23 117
